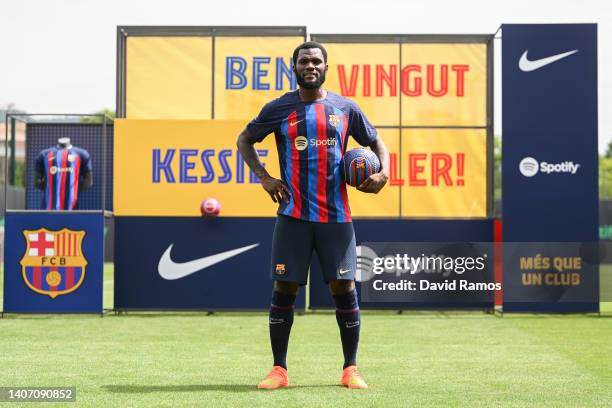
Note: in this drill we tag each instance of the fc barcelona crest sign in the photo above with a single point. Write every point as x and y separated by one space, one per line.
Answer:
53 263
334 120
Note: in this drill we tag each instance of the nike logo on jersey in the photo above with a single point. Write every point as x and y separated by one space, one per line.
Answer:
170 270
343 271
526 65
293 122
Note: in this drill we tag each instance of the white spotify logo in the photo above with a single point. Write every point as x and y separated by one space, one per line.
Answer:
528 167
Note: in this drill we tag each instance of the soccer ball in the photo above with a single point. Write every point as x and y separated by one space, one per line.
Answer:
358 165
210 207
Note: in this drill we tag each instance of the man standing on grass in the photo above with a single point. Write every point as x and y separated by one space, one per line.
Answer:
311 126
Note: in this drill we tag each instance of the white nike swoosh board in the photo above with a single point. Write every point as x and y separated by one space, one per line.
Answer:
526 65
170 270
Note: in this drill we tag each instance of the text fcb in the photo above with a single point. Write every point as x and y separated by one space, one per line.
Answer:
210 207
358 165
53 263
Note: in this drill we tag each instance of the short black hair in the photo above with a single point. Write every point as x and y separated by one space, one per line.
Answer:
307 45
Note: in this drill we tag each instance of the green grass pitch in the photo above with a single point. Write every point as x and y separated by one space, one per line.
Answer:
414 359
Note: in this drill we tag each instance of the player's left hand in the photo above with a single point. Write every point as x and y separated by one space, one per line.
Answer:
374 183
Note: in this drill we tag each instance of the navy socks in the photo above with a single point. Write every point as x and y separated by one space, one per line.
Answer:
281 319
347 316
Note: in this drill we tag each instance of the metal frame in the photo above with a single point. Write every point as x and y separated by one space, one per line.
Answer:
123 32
23 118
401 39
490 127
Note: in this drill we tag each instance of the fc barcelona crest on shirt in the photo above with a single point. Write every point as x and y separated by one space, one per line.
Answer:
334 120
53 263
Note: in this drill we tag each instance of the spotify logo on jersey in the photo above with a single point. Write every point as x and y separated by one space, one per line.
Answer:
301 143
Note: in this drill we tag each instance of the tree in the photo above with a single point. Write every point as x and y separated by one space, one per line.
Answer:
605 175
98 119
497 167
609 150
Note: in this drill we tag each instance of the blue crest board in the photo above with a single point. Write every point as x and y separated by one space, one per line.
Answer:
53 262
550 162
409 231
194 263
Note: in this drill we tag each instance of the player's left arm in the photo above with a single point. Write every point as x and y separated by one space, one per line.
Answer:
365 134
377 181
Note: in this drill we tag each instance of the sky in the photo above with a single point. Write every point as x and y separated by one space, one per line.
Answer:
59 56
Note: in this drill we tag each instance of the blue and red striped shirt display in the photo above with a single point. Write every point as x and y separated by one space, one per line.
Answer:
311 139
63 170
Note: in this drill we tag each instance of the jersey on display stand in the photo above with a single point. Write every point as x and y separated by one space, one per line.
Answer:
62 172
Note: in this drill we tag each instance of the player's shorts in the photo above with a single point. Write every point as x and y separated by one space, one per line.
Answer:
294 241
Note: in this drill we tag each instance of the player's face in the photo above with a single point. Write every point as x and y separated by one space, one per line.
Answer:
310 68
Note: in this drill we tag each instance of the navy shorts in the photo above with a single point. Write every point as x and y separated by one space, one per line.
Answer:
294 241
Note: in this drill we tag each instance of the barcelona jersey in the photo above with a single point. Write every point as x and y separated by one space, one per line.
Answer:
311 138
63 170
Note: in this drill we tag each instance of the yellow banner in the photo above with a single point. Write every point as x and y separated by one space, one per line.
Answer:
439 84
368 74
251 71
167 168
434 173
169 78
444 84
443 173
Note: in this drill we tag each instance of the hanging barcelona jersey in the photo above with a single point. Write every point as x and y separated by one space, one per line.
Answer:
63 170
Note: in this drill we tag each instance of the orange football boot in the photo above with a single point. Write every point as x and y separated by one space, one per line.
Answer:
277 378
352 378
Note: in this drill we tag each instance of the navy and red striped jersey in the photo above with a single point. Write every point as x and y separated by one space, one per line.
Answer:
63 170
311 139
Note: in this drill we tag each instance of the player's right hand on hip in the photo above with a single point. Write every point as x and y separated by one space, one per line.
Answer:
276 188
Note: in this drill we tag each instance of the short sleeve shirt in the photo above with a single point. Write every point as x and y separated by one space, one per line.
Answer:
311 139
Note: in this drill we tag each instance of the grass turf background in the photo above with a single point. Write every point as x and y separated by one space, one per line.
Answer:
413 359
